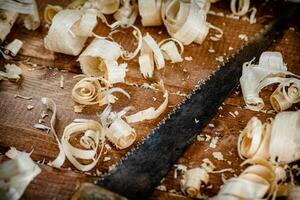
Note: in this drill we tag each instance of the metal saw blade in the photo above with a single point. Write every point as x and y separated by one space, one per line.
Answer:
142 169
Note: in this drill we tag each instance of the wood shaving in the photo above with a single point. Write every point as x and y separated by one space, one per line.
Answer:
211 50
13 47
255 182
150 12
118 132
179 168
106 159
127 13
188 58
211 125
242 9
7 21
162 188
230 170
192 179
23 97
243 37
16 174
44 114
92 91
27 12
191 26
69 31
99 60
150 55
201 138
41 121
213 143
30 107
284 142
220 59
218 155
232 114
170 50
42 127
150 113
270 70
50 11
12 72
61 81
208 165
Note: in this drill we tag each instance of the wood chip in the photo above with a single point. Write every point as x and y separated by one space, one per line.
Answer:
61 82
243 37
162 188
220 58
42 127
30 107
213 143
218 155
188 58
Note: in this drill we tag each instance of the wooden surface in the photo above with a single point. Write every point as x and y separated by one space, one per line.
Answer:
40 78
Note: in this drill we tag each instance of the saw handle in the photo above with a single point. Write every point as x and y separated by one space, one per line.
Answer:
89 191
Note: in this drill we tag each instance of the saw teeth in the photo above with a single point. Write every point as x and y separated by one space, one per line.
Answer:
198 86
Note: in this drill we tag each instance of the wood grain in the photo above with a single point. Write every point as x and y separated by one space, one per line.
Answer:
16 122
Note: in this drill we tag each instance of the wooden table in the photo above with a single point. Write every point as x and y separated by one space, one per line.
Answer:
42 70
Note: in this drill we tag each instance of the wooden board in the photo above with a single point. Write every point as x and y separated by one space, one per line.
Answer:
16 122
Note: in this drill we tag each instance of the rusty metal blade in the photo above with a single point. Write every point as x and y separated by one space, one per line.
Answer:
143 168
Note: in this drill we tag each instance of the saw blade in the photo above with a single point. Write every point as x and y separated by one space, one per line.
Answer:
141 170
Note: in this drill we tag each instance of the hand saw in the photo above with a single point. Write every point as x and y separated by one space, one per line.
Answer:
142 169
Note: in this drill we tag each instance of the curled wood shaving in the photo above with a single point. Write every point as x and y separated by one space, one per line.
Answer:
92 91
50 104
12 72
150 54
286 94
150 12
118 132
284 142
7 20
50 12
69 31
242 9
92 134
99 60
127 13
255 182
170 50
150 113
277 140
185 21
192 180
16 174
269 70
28 9
13 47
126 55
254 140
216 37
105 6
